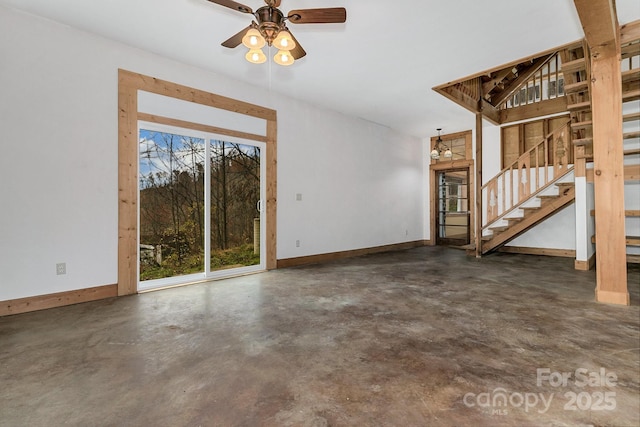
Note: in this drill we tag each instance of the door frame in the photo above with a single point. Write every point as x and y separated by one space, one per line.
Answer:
129 84
433 196
207 273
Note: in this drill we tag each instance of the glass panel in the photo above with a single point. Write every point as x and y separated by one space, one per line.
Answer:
234 201
458 148
171 205
453 207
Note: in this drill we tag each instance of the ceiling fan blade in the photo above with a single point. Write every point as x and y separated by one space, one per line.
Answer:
297 52
233 5
236 39
328 15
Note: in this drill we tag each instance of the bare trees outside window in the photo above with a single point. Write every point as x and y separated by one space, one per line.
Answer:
177 217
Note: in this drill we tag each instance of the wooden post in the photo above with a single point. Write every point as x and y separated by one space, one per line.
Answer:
478 180
602 32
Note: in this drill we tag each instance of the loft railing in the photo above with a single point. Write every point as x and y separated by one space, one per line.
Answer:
532 172
545 84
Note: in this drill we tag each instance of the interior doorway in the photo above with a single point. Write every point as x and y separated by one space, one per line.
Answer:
453 219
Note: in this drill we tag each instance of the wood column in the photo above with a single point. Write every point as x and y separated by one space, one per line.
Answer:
478 158
602 33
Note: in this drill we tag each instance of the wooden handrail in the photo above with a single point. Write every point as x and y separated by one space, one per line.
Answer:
558 144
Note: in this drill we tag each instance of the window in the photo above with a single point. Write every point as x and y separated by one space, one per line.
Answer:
459 143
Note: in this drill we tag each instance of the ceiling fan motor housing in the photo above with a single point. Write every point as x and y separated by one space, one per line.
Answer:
270 22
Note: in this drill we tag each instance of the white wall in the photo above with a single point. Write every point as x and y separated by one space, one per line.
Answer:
362 184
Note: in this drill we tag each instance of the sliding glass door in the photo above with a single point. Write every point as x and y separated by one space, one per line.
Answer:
200 206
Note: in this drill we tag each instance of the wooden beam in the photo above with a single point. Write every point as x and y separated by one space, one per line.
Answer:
272 193
631 173
478 189
600 24
127 188
146 117
531 111
496 80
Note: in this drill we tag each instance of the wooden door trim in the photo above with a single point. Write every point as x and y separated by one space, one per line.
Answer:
129 84
454 165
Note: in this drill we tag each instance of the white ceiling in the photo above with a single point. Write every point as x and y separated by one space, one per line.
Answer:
380 65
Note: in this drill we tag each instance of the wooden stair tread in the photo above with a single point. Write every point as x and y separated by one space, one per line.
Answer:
631 151
564 184
631 116
630 135
576 87
631 95
630 50
630 75
547 196
585 105
582 141
582 125
574 66
633 259
499 228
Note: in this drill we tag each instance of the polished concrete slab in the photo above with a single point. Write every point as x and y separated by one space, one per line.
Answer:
425 337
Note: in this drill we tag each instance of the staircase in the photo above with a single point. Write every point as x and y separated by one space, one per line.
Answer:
513 203
533 188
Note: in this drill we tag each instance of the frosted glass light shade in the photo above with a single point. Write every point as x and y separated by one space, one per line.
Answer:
435 154
284 41
256 56
284 57
253 39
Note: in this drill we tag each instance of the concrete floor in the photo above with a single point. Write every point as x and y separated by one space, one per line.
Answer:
426 337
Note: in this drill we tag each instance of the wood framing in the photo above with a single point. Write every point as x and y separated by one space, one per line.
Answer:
58 299
440 165
129 84
600 24
478 187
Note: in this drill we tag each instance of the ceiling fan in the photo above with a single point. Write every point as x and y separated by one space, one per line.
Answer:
270 28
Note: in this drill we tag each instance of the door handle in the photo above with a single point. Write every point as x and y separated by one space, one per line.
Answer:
259 206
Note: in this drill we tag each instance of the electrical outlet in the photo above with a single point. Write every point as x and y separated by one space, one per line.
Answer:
297 243
61 268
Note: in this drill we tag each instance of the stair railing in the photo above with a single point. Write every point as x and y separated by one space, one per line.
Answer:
532 172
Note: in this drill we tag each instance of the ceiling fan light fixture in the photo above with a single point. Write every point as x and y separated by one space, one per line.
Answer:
284 57
253 39
284 41
256 56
